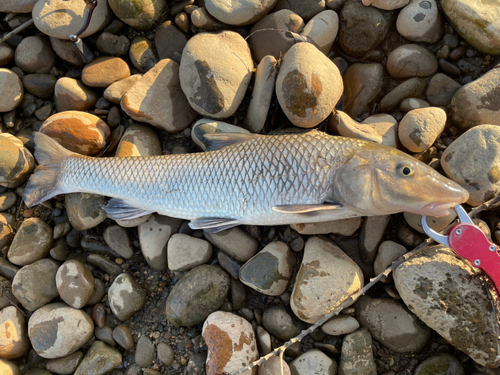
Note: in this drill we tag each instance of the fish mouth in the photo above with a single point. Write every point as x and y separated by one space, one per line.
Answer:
439 209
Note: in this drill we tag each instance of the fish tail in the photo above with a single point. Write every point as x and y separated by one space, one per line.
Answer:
42 184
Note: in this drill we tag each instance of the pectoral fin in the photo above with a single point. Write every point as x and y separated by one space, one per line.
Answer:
213 224
216 141
119 209
307 208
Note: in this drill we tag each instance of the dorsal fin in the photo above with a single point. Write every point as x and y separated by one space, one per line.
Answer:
216 141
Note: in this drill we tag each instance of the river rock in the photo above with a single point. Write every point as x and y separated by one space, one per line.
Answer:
123 337
32 242
14 341
196 295
441 90
239 13
99 360
269 37
169 42
391 324
362 28
324 267
340 325
204 20
478 22
388 252
56 330
211 88
314 361
126 296
274 365
75 283
446 364
114 93
420 21
64 365
85 210
35 285
322 30
141 14
157 99
208 126
477 103
64 49
77 131
139 140
117 239
8 368
145 352
409 104
6 54
443 290
72 94
343 227
386 4
17 6
436 223
16 162
114 45
280 323
411 88
105 70
308 85
231 343
12 90
474 163
60 18
185 252
34 55
419 129
142 54
357 354
40 85
235 241
411 60
269 271
304 8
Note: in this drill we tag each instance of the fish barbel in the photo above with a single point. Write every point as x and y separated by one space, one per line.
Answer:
251 179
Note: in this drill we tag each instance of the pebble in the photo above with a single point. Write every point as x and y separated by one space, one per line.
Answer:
169 42
443 289
362 85
126 296
390 323
274 365
314 361
388 252
104 71
56 330
65 365
235 241
139 140
343 227
239 13
7 200
85 210
267 36
17 6
411 60
367 27
34 55
411 88
207 56
357 354
14 341
117 239
436 223
324 268
6 54
304 8
263 88
208 126
196 295
340 325
114 45
231 343
145 352
270 271
16 162
474 163
105 334
72 94
264 339
75 283
142 54
99 360
77 131
185 252
322 30
7 269
410 104
420 21
449 68
308 85
466 15
280 323
115 92
419 128
32 242
386 4
230 265
477 102
140 14
8 368
40 85
153 238
446 364
12 90
157 99
441 89
165 353
64 49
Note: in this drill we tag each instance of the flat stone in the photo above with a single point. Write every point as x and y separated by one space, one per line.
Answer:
75 283
322 30
12 90
308 85
41 85
169 42
65 365
14 341
34 55
343 227
357 354
326 278
446 364
126 296
139 140
72 94
99 360
441 90
420 21
84 210
32 242
114 93
411 60
57 330
235 241
185 252
196 295
239 13
419 128
16 162
140 14
208 126
157 99
103 71
314 361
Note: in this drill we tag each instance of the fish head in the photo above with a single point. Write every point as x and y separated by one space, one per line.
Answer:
379 180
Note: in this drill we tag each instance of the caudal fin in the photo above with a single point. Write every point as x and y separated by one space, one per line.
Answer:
42 184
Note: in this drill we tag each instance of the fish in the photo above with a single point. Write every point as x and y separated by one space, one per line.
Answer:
250 179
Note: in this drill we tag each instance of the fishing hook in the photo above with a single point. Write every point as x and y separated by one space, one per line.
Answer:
83 51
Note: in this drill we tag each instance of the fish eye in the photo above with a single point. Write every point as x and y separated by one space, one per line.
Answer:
405 169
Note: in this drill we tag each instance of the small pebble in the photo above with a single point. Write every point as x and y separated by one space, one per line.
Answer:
75 283
123 337
126 296
185 252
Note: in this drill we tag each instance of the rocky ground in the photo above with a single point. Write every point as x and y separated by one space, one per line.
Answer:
81 293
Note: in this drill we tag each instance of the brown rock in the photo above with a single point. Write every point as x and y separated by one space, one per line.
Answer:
104 71
114 93
72 94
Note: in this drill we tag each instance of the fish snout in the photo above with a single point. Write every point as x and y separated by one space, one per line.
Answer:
446 200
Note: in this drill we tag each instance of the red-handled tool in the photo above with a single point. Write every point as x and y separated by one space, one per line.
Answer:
469 242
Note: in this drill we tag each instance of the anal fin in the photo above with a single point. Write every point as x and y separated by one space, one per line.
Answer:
307 208
119 209
213 224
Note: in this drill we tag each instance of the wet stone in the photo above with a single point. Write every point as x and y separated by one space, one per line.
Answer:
340 325
440 90
75 283
57 330
197 294
117 239
144 353
357 354
126 296
14 341
313 361
280 323
114 93
99 360
185 252
446 364
34 285
235 241
165 353
72 94
84 210
16 162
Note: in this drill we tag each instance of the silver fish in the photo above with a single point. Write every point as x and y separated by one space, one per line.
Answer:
251 179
